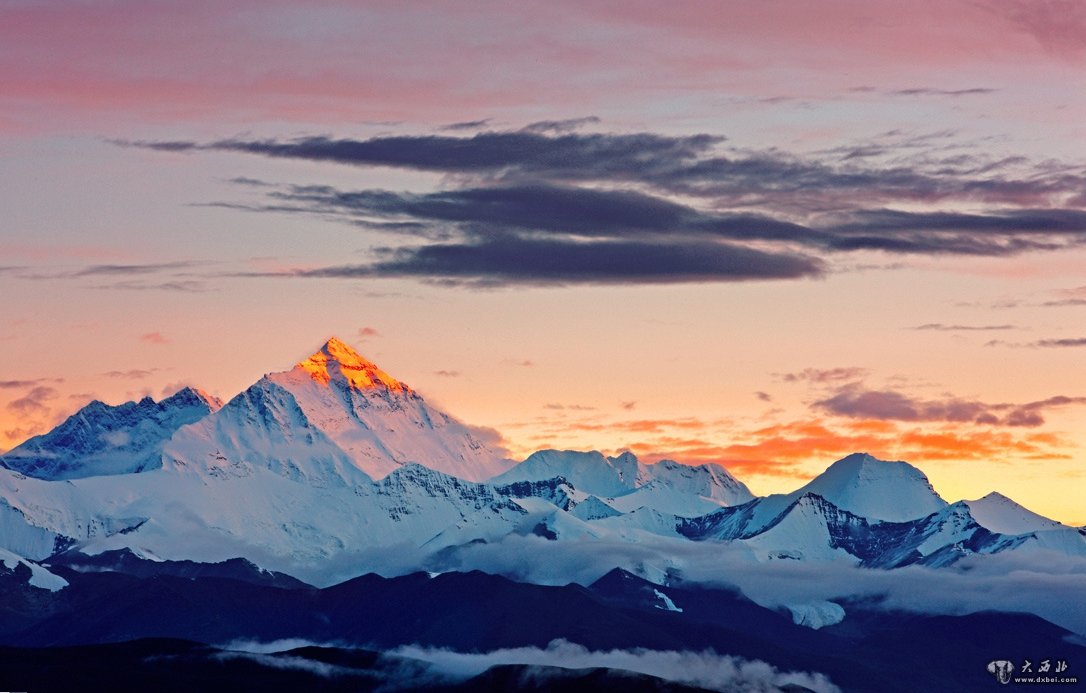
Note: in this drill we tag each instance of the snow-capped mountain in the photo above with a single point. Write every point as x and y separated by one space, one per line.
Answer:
858 484
876 489
334 468
100 439
591 472
625 483
997 513
333 419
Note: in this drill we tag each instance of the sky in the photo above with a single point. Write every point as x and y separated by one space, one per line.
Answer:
760 234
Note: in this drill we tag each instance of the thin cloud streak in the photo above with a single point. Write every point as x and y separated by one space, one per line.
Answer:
854 401
1069 342
942 327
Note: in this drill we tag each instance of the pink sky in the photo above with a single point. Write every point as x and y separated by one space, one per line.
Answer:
129 271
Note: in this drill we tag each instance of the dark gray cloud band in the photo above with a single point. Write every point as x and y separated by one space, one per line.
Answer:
518 260
551 204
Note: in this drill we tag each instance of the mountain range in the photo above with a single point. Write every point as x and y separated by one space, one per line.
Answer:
334 469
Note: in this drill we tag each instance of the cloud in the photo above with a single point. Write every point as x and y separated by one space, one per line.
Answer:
417 667
515 261
288 663
536 207
943 233
467 125
1058 26
628 406
640 425
129 269
705 669
31 413
137 270
182 286
131 374
941 327
365 332
1042 582
574 155
550 205
492 438
786 449
824 375
1054 343
154 338
1067 342
857 402
522 235
928 91
560 126
18 384
763 396
251 182
447 374
34 402
690 164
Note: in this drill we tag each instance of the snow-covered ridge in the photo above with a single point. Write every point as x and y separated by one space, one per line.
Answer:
998 513
100 439
625 483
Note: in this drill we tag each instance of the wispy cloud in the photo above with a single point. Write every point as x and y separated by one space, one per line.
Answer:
34 402
555 406
130 374
129 269
154 338
824 375
702 669
930 91
943 327
19 384
1065 342
182 286
858 402
30 413
1059 26
1053 343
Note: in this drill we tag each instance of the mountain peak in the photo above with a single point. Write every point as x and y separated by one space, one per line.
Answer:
189 396
336 360
865 485
998 513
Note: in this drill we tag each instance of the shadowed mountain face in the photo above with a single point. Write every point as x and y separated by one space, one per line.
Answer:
101 440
